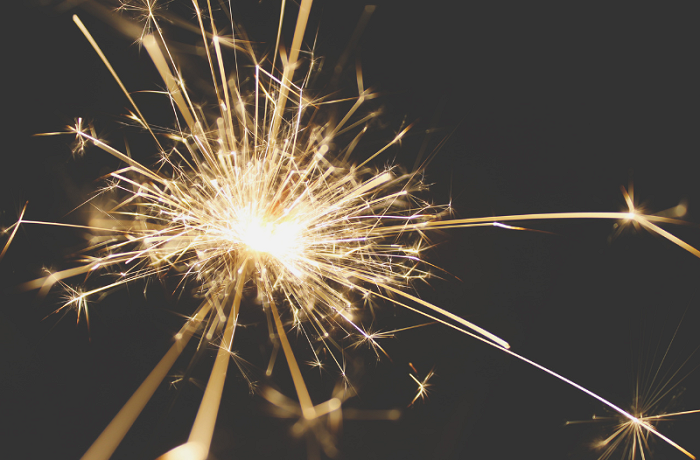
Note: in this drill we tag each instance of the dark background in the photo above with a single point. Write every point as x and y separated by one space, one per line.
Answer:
545 108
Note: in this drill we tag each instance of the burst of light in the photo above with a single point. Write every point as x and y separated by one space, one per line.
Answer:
656 390
259 195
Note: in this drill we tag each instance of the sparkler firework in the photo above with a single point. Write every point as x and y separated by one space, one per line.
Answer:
263 203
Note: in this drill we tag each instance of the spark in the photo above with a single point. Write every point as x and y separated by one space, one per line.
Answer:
654 393
13 231
423 385
632 435
371 338
75 299
322 431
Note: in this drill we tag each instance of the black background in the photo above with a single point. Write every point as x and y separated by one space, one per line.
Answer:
546 108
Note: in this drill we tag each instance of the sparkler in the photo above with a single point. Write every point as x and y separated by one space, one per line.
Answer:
258 197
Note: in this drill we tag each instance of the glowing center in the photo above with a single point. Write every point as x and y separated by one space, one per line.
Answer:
277 239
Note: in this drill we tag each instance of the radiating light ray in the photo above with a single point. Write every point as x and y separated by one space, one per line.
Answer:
108 441
99 52
14 229
371 338
203 427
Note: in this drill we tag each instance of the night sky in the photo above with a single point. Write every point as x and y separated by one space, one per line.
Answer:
542 108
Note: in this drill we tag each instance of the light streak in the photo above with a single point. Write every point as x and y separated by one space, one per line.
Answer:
652 394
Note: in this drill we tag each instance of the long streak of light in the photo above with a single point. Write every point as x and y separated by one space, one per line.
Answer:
635 421
108 441
303 394
290 66
105 61
644 220
203 427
